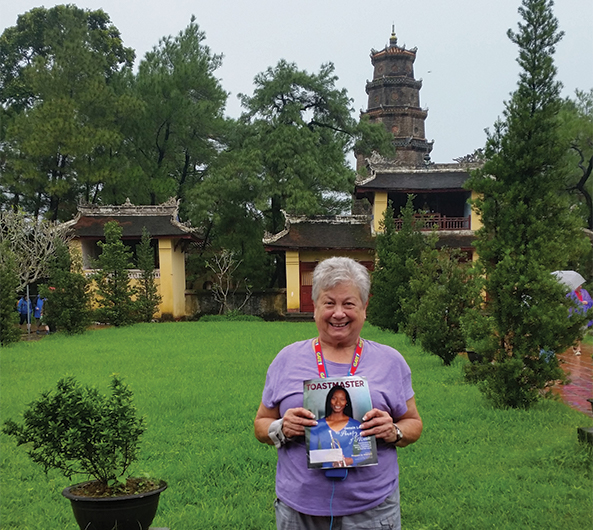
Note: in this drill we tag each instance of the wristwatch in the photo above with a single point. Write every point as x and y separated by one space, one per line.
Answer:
398 433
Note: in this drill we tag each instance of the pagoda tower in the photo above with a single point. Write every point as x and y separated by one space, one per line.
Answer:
394 100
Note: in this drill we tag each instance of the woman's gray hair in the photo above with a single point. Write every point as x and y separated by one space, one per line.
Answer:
334 271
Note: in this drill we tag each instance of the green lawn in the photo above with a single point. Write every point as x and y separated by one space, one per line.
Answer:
199 385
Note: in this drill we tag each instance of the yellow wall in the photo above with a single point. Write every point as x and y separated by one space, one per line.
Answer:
293 280
379 207
293 290
172 284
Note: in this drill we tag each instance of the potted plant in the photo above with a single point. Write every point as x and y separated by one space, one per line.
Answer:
76 430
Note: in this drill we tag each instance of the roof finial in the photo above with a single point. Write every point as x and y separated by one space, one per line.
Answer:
393 38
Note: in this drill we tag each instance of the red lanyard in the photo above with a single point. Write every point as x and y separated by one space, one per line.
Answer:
321 361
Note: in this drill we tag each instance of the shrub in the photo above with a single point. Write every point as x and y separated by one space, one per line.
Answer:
9 330
75 429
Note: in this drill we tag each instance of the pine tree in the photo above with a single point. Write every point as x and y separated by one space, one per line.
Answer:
147 298
113 282
67 305
397 252
528 229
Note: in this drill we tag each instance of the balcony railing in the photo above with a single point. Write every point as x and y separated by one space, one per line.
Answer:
436 221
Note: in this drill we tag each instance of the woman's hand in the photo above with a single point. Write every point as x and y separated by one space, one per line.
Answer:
295 420
379 423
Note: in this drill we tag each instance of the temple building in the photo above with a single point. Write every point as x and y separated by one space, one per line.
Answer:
440 199
169 238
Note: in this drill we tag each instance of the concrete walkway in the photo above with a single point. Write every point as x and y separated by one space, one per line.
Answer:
580 374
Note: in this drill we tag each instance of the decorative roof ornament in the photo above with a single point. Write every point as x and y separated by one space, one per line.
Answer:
393 38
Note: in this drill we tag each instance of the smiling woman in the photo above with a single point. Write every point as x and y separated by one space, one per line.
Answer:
340 294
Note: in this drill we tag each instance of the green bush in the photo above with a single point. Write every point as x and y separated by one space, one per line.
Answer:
75 429
9 330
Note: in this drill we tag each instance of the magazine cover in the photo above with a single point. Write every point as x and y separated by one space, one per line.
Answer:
338 404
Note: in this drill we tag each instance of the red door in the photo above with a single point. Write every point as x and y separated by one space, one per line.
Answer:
306 272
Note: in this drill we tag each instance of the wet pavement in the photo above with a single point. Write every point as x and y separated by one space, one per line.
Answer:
580 374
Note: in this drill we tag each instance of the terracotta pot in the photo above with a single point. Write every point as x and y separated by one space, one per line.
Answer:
130 512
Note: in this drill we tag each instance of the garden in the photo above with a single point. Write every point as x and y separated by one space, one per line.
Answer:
198 385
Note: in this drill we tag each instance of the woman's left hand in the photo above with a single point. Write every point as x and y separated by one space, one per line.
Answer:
379 423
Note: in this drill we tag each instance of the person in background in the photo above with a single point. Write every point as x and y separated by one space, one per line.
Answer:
368 497
25 310
583 301
38 314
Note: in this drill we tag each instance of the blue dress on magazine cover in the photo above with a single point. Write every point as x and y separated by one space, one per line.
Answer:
348 438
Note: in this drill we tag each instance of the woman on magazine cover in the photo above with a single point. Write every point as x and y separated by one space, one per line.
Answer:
369 495
338 429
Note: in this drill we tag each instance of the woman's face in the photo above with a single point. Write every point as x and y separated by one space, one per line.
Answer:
338 401
340 315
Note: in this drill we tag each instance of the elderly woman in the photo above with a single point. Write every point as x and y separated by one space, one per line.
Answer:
369 496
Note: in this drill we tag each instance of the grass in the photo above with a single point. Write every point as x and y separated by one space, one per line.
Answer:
199 385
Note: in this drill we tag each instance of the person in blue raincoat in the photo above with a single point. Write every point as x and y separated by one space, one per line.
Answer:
25 310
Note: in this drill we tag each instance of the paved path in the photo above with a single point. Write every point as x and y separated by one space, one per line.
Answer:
580 375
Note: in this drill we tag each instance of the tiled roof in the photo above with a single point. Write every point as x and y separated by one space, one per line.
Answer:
160 221
346 233
427 180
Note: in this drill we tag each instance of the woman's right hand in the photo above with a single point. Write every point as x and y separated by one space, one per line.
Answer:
295 420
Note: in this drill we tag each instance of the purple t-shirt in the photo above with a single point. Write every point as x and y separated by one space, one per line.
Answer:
308 490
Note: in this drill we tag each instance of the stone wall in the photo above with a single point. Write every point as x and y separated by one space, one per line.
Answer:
269 304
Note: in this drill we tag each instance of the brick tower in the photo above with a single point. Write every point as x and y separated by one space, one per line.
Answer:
394 100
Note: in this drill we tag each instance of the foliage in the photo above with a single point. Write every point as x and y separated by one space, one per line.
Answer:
113 282
397 252
9 330
576 118
61 109
529 229
469 458
31 242
301 128
176 136
67 305
441 294
147 297
75 429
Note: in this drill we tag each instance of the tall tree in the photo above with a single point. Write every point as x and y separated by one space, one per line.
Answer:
398 253
114 289
301 129
147 298
175 138
529 229
61 113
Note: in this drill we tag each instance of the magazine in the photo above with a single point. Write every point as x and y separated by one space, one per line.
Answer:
339 404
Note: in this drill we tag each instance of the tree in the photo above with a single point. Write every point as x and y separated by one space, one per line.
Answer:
301 129
441 293
61 112
9 330
176 136
31 242
529 229
113 281
147 298
67 307
224 266
398 252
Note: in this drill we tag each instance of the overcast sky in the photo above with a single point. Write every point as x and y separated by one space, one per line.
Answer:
467 64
